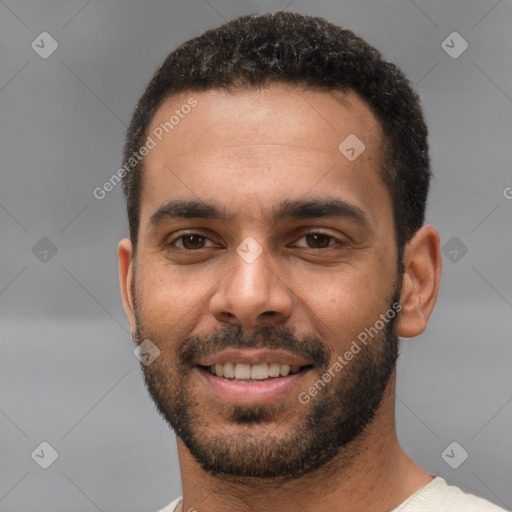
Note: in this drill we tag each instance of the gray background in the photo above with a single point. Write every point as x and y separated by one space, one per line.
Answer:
68 375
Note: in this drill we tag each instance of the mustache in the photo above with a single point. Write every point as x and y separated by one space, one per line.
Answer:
266 336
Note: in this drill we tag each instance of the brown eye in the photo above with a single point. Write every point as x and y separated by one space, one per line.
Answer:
318 240
189 242
193 241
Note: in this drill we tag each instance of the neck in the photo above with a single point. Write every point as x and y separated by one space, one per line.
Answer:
373 474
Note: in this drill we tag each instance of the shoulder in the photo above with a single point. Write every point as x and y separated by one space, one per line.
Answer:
172 507
468 502
439 496
438 493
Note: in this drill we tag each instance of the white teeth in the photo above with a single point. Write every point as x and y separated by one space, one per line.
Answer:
259 371
245 371
229 370
242 371
273 370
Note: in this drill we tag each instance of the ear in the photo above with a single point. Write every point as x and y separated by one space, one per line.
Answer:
421 278
126 272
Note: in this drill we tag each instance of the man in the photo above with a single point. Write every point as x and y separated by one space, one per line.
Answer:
276 195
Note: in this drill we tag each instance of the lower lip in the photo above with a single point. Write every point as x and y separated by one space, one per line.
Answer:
263 391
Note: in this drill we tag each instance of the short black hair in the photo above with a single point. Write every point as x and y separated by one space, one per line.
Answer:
256 49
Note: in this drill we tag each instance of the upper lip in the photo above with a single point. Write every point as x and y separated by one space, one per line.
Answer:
252 356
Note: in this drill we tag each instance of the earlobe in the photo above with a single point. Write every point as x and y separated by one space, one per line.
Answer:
421 278
124 252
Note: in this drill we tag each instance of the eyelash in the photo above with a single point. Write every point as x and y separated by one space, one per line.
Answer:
171 243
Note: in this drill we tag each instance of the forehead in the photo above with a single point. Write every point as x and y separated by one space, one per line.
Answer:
253 146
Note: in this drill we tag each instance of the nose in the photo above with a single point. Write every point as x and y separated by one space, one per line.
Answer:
252 294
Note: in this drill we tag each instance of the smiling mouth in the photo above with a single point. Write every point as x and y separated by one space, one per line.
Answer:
243 372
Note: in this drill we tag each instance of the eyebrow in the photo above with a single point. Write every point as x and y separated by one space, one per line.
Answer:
287 210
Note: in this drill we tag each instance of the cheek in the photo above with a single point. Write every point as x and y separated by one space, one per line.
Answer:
167 298
342 305
343 289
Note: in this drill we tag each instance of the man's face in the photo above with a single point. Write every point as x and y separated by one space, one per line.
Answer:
289 260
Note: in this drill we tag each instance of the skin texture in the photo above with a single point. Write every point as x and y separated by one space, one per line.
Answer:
249 150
